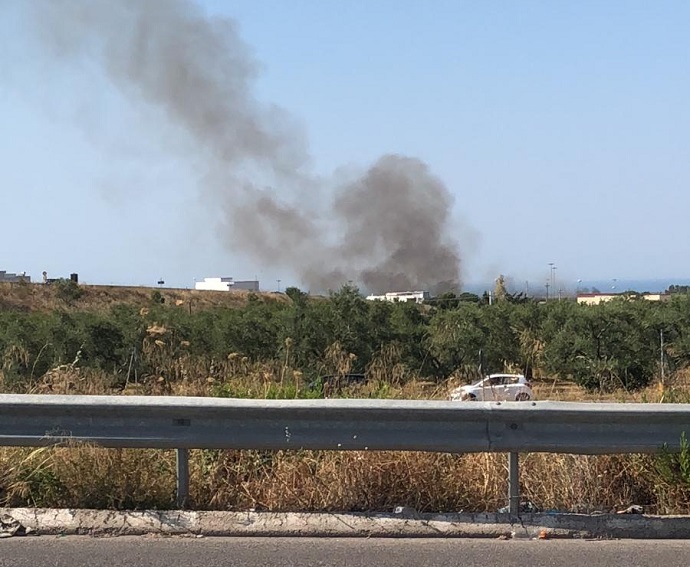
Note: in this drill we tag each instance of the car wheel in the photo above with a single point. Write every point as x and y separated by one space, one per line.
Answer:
522 397
469 398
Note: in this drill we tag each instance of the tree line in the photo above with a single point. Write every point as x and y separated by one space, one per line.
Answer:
620 343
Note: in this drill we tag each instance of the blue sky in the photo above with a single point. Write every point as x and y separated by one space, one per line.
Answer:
562 130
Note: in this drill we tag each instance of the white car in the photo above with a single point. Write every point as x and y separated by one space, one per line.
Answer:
495 387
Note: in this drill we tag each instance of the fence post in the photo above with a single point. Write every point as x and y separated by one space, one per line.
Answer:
182 477
513 484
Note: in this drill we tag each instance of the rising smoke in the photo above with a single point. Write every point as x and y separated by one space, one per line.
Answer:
387 230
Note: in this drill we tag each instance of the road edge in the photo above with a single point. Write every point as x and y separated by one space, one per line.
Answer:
41 521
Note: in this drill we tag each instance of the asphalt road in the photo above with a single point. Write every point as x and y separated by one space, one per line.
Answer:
158 551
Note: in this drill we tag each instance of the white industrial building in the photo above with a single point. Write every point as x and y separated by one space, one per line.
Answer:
227 284
597 298
401 296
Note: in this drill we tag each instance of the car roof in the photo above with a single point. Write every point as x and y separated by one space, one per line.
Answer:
501 375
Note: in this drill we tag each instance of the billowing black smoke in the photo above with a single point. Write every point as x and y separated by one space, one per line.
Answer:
388 230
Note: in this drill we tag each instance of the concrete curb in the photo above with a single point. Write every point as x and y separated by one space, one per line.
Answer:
408 524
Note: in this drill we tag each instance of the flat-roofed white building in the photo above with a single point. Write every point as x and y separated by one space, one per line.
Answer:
401 296
227 284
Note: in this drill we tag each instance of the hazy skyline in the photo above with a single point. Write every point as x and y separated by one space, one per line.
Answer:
560 132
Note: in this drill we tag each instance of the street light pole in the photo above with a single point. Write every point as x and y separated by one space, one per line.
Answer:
552 274
552 278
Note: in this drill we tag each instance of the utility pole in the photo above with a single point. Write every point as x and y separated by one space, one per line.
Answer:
552 275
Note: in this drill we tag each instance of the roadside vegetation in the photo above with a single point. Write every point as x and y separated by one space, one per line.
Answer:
180 342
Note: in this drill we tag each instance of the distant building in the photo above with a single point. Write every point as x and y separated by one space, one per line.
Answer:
401 296
9 277
227 284
46 280
597 298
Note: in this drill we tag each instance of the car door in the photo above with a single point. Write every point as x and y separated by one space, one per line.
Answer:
483 390
503 389
512 388
494 389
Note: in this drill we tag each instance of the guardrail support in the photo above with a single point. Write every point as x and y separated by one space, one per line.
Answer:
513 484
182 477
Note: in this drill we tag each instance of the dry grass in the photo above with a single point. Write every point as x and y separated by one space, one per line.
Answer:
87 477
39 297
676 388
91 477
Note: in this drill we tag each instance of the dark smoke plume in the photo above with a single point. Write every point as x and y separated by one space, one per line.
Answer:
386 231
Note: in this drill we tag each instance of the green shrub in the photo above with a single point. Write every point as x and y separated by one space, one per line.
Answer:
674 468
67 290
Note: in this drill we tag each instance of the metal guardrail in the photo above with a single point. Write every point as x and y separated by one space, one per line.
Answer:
391 425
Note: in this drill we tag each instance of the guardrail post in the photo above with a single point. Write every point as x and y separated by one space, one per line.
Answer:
182 477
513 484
